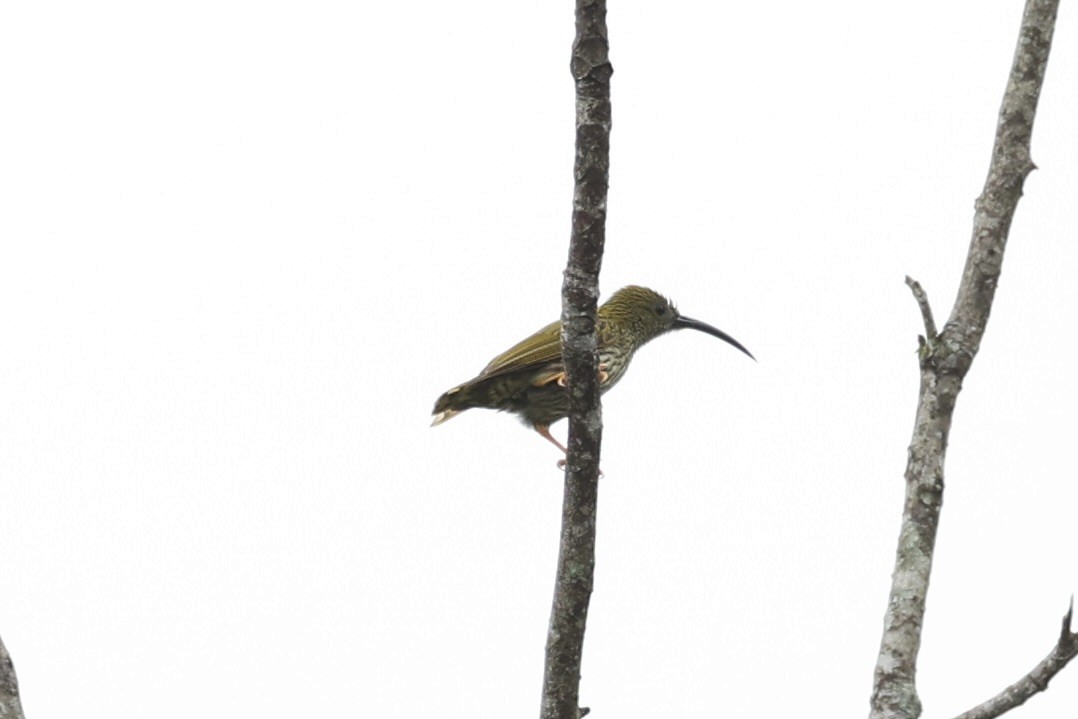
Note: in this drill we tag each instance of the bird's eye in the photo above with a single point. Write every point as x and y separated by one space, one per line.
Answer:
660 310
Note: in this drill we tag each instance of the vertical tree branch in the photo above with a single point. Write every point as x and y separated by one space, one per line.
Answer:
945 360
10 706
591 71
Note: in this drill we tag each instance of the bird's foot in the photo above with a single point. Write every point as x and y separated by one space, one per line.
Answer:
562 463
562 378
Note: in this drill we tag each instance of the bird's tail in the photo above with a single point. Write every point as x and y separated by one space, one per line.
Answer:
452 403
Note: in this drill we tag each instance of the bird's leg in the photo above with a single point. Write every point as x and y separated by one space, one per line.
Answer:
544 432
562 378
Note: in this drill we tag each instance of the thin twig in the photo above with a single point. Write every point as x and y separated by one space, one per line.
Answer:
945 362
1036 680
591 71
926 309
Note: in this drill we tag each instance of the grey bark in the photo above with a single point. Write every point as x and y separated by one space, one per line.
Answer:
10 706
1036 680
945 358
591 71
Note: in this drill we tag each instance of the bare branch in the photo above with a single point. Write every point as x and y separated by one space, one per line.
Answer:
591 71
926 309
1036 680
10 706
945 362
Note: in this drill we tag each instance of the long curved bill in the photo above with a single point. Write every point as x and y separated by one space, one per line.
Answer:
689 323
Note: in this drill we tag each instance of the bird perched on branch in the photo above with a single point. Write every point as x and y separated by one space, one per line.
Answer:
528 379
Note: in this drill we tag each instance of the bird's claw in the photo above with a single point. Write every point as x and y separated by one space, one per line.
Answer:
563 379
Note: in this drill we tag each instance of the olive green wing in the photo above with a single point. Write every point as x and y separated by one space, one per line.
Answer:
543 347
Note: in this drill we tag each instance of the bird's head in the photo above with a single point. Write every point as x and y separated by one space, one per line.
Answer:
645 314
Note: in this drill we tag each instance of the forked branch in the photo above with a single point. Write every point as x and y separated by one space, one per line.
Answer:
946 358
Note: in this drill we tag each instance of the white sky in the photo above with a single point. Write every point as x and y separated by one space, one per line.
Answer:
246 245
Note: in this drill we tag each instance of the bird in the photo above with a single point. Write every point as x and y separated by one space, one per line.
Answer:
529 378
